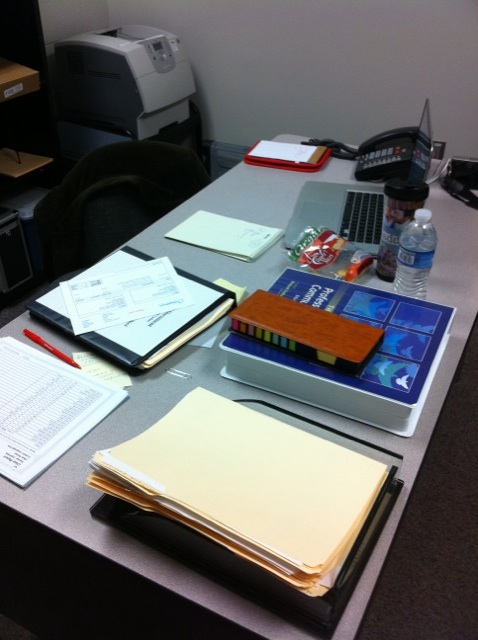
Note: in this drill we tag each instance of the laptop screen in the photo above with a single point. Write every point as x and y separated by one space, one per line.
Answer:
346 208
422 153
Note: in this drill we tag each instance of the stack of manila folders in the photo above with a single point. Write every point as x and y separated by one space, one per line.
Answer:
277 496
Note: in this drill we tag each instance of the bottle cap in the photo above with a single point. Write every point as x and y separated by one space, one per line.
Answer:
423 215
406 190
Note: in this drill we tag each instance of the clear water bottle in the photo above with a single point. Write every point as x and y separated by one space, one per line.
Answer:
415 255
403 198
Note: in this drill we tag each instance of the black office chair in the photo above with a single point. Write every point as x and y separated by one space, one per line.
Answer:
112 194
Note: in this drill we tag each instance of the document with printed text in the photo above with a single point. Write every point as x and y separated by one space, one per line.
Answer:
108 299
144 342
46 406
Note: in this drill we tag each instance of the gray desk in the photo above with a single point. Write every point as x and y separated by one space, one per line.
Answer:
62 570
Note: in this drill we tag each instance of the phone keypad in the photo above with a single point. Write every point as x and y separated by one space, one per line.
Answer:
381 154
385 161
384 156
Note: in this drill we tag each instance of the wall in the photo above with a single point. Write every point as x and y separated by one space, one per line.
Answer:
325 68
62 18
337 68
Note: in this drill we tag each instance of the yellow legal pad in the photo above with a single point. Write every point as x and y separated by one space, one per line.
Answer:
278 496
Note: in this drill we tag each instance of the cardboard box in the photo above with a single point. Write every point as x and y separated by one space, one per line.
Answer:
16 80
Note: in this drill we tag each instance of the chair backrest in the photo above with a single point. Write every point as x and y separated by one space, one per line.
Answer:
112 194
111 217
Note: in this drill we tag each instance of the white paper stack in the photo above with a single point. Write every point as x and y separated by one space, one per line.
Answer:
229 236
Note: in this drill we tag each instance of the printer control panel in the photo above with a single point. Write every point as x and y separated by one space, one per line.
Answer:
161 53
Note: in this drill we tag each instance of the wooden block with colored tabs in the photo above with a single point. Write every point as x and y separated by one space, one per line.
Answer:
305 331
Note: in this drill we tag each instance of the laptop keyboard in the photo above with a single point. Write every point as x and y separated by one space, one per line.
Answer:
362 219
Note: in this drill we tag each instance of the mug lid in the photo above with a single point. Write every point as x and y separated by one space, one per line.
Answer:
408 190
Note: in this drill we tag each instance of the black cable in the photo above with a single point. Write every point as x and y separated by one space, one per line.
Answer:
339 149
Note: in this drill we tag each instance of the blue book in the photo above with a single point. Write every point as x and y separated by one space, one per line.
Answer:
390 391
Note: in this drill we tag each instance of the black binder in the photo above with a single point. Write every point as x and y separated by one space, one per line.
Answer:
120 353
319 614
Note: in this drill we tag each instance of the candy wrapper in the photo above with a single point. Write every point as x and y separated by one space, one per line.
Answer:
323 251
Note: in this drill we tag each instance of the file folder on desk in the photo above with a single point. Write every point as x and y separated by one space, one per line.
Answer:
205 555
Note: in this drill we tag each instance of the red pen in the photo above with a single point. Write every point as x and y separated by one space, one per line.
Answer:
45 345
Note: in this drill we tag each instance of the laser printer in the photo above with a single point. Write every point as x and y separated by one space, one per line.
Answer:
133 80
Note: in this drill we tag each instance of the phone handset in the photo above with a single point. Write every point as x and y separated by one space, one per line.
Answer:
386 155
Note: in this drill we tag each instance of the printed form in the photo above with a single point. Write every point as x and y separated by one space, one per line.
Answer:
105 300
45 407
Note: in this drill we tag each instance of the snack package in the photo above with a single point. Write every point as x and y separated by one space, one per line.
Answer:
323 251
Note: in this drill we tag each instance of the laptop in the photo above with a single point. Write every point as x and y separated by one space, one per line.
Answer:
355 211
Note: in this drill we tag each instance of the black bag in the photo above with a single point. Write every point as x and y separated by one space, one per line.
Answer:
460 179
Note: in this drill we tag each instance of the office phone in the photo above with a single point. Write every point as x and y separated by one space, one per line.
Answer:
387 155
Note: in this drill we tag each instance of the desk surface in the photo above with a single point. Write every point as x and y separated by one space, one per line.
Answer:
60 502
